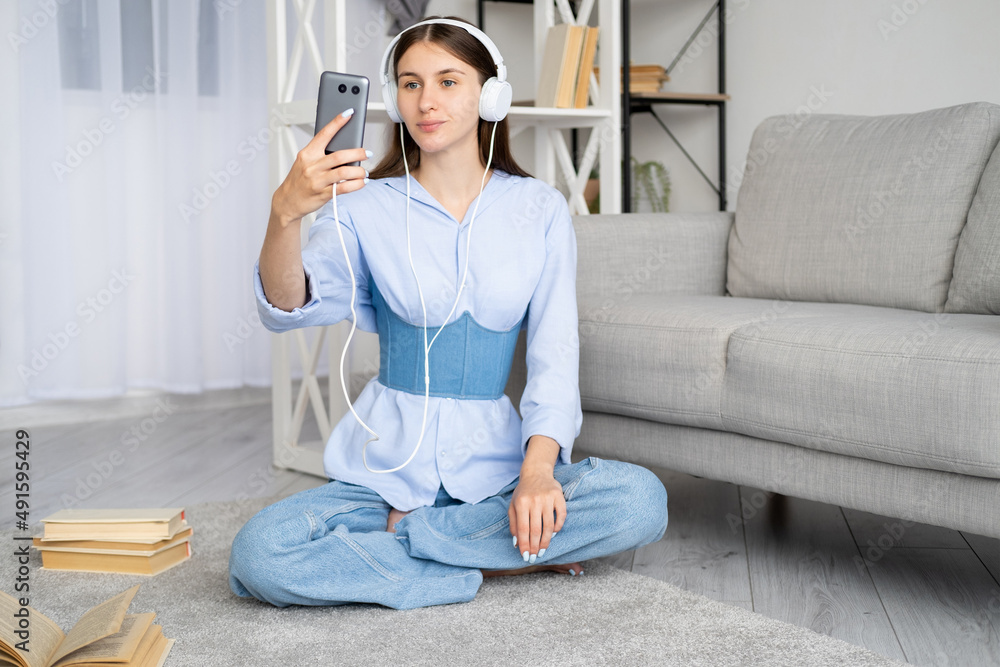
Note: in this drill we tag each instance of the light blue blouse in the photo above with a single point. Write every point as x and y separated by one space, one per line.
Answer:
523 258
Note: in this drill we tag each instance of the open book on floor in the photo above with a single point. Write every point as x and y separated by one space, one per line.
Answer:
105 635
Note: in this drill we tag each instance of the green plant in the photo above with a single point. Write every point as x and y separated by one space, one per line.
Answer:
595 206
648 178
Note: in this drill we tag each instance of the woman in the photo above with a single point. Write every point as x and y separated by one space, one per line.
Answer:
484 492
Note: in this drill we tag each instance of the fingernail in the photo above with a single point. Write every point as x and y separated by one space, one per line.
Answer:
366 173
515 540
532 559
525 554
368 153
555 533
581 573
541 553
366 180
573 572
348 113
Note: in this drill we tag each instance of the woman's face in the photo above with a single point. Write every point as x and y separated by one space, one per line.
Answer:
437 97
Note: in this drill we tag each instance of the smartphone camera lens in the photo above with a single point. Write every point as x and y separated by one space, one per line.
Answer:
342 88
355 90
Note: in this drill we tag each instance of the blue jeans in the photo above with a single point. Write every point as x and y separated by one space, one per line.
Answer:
329 545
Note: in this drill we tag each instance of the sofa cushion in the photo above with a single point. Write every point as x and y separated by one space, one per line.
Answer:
663 358
623 254
858 209
906 388
975 285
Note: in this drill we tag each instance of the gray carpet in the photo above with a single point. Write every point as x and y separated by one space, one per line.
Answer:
606 617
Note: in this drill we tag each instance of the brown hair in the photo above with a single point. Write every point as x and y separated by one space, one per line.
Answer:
468 49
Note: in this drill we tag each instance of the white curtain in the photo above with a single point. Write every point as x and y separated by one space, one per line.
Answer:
142 198
134 173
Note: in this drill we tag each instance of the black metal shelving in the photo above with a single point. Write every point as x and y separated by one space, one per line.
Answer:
479 10
632 104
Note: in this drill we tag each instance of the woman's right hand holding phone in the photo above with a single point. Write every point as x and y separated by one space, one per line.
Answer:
308 186
309 183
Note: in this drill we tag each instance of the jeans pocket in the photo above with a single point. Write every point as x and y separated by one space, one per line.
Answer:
575 473
490 530
317 528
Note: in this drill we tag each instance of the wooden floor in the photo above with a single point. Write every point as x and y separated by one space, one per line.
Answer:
916 593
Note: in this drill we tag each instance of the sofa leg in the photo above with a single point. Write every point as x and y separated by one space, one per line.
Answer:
778 512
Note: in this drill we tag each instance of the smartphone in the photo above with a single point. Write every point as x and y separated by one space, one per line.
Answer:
339 92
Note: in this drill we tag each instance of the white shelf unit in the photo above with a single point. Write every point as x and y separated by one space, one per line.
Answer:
552 156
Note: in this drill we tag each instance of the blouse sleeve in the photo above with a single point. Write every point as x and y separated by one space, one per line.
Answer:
328 281
550 404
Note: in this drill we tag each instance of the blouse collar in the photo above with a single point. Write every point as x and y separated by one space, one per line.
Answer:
500 181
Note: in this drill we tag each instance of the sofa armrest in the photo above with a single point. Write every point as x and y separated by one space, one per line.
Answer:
651 253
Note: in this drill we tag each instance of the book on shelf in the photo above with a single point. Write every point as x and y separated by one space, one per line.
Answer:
131 541
557 79
642 78
110 524
587 53
567 61
105 635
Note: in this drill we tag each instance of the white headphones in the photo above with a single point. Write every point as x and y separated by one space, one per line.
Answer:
494 101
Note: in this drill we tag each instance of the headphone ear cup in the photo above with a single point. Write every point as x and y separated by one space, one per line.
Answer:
389 97
494 100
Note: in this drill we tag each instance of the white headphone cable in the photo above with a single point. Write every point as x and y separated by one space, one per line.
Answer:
350 268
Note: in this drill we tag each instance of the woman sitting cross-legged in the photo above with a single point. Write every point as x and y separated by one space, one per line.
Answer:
457 485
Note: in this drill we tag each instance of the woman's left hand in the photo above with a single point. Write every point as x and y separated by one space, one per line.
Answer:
537 510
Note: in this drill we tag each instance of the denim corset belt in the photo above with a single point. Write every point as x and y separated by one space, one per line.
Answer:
467 360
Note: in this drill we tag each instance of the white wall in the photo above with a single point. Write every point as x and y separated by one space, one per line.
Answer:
866 57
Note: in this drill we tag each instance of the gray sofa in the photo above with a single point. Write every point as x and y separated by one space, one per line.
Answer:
835 338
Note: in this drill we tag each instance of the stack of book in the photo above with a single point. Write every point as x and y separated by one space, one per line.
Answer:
131 541
105 635
642 78
567 63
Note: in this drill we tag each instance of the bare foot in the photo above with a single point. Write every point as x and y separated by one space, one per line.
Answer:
394 516
561 567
